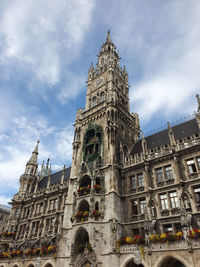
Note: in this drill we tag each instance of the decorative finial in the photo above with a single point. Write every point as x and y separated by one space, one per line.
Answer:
171 135
198 101
108 39
142 135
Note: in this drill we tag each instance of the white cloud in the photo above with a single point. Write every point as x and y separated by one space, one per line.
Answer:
4 200
72 87
17 145
160 44
42 38
63 140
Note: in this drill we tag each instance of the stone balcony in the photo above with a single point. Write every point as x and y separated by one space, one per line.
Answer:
165 246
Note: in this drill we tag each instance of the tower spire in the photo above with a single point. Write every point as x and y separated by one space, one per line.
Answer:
108 39
34 157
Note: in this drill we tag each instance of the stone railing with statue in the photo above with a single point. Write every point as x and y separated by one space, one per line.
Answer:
160 152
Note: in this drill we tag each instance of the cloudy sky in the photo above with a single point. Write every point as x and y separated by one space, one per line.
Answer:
45 51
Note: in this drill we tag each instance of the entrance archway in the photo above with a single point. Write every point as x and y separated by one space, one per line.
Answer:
131 263
172 262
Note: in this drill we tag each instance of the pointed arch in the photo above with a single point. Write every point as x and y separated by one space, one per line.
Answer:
130 263
171 259
125 151
83 206
85 262
85 181
81 240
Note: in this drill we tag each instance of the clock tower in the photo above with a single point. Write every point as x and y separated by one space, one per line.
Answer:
104 133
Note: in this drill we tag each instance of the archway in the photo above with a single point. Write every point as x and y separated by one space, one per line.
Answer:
131 263
48 265
172 262
81 240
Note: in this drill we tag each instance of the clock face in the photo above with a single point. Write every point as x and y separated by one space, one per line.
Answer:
99 82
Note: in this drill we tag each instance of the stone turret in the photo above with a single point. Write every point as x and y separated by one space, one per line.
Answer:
197 114
28 178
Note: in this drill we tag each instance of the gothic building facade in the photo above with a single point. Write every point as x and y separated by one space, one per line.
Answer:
126 200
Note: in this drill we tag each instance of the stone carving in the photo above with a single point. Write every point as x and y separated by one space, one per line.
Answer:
113 227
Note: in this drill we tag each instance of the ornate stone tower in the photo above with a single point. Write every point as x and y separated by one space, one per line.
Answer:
28 179
104 133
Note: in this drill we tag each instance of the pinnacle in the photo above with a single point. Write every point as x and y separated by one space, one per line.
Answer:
108 39
36 148
33 159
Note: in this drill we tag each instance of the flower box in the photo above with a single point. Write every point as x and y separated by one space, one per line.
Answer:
166 237
96 213
82 214
137 239
84 190
8 234
194 233
97 187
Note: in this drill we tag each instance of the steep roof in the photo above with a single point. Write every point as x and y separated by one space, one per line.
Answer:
5 208
55 178
180 131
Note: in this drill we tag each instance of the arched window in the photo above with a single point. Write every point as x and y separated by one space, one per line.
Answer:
85 181
84 186
81 241
125 150
102 96
84 206
94 101
97 205
83 211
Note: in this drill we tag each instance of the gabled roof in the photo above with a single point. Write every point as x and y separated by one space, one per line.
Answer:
180 131
55 178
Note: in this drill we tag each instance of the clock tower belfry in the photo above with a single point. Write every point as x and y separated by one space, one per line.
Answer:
103 136
107 79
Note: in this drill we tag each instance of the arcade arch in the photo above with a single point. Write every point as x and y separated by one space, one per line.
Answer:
131 263
172 262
